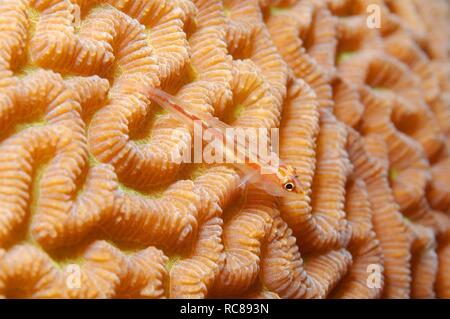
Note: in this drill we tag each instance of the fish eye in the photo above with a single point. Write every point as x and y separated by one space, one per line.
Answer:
289 186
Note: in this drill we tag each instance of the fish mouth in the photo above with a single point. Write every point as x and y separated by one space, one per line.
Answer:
298 185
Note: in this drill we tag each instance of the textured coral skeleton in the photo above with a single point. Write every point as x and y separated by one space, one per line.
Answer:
86 176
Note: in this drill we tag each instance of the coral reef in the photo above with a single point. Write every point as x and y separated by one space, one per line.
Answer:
88 187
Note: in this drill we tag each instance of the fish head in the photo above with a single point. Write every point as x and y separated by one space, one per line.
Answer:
288 179
283 182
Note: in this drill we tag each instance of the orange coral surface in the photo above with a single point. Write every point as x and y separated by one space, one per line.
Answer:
92 206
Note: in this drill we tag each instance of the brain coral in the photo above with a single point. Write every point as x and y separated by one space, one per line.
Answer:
88 188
